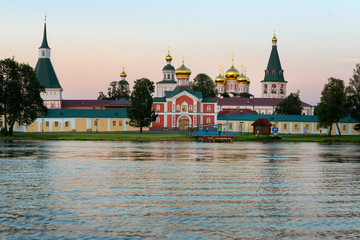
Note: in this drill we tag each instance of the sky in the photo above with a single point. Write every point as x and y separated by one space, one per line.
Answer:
91 40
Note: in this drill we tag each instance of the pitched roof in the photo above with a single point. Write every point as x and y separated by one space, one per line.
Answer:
261 122
283 118
274 64
159 99
177 90
208 100
236 112
253 102
45 73
86 113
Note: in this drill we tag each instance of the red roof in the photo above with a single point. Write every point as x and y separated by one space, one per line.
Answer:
261 122
94 103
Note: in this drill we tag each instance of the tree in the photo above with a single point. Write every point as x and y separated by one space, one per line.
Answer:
116 90
352 92
244 95
20 99
291 105
332 104
203 83
141 112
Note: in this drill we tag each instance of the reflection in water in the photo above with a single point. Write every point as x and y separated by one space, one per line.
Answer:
179 190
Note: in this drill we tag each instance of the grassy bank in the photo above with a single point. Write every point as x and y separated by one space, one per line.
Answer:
101 136
129 136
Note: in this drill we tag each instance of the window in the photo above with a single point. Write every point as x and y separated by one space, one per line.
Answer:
43 53
208 120
282 88
164 76
190 107
114 123
317 127
267 72
157 107
273 88
95 123
184 108
344 127
208 108
285 126
280 72
157 120
273 72
265 88
307 126
230 126
56 124
178 107
120 123
296 127
66 124
46 124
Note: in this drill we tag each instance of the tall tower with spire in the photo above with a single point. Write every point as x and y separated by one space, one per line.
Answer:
168 83
123 76
274 84
47 77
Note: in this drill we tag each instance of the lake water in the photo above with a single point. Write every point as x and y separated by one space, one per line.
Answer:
177 190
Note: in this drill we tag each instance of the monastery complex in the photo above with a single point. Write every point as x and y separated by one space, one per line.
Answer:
177 105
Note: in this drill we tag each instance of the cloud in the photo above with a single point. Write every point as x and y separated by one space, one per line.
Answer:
350 59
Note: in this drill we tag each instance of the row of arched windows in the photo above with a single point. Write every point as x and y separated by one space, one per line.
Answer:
273 72
273 88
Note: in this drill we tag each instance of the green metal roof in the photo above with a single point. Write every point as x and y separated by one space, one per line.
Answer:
86 113
167 81
208 100
169 67
159 99
124 81
44 42
45 74
280 118
177 90
274 64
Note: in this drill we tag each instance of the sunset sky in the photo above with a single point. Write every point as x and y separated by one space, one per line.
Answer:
91 40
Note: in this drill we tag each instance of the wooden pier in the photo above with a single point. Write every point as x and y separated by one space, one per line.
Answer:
218 139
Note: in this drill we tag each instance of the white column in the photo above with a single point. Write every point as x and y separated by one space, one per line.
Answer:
108 124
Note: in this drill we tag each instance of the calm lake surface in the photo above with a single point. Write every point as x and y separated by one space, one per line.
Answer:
127 190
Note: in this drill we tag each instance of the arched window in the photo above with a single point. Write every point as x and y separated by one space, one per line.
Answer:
208 120
208 108
282 89
190 107
265 88
164 76
273 88
178 107
267 72
43 53
184 108
158 107
280 72
158 120
273 72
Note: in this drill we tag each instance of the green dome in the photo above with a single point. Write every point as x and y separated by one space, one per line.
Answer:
168 67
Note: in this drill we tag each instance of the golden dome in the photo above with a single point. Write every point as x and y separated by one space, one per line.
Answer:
232 73
123 74
242 79
274 39
168 58
219 79
183 71
247 81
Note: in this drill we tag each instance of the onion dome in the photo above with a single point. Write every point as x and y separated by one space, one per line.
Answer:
123 74
219 79
247 81
168 58
183 71
274 39
242 79
232 73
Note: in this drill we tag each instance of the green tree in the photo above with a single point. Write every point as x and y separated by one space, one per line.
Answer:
116 90
203 83
244 95
332 104
291 105
141 112
20 99
352 92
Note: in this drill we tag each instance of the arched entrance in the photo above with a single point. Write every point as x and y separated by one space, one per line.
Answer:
184 123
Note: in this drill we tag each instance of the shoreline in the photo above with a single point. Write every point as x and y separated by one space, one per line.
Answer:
137 137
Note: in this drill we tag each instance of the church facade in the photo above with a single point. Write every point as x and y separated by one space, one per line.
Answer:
182 107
